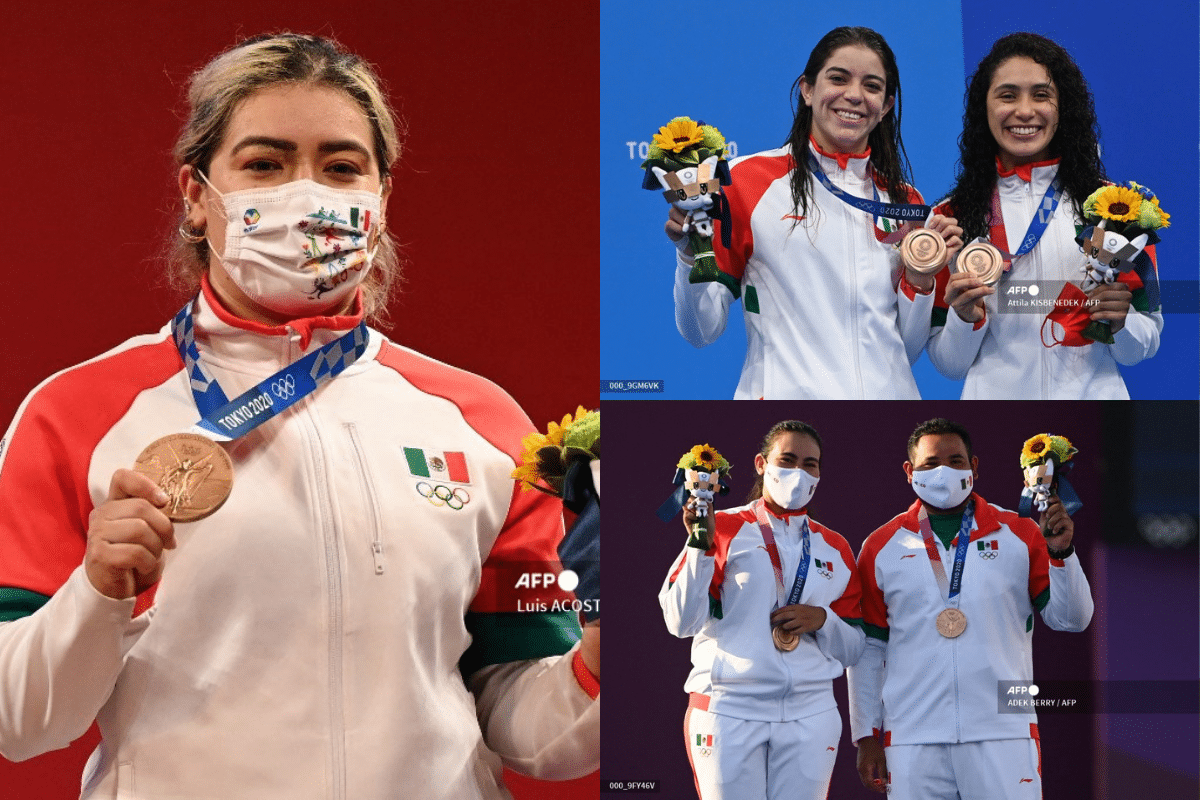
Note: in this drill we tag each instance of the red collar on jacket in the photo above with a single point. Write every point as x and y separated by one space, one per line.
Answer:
787 514
843 159
1023 171
305 326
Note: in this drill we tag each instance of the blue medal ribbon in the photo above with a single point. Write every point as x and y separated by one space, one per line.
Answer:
764 526
953 586
910 212
1037 225
222 419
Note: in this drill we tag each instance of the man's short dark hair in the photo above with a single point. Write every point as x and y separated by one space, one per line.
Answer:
939 425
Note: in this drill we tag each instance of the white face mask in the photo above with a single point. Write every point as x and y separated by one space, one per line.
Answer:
943 487
299 248
791 489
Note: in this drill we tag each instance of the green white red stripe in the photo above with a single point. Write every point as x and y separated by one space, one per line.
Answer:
442 465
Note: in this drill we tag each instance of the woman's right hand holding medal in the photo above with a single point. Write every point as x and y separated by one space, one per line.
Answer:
965 294
127 535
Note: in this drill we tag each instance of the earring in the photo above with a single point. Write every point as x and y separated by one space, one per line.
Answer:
190 234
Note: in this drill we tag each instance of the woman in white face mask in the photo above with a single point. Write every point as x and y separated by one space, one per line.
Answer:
325 557
773 609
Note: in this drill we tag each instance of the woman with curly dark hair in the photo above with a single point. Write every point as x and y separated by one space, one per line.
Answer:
817 274
1029 157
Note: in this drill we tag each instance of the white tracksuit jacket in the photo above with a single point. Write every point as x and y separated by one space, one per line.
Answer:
823 317
724 597
936 690
305 640
1004 358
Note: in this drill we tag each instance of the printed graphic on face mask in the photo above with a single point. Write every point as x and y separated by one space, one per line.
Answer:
943 487
298 248
333 247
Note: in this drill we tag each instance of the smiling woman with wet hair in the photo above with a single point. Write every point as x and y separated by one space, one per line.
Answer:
1029 126
814 267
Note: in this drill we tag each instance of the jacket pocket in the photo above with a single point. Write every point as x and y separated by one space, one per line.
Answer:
369 496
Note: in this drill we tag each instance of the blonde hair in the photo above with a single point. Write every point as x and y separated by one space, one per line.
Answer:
216 90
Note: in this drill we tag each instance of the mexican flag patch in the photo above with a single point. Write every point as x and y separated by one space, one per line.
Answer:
441 465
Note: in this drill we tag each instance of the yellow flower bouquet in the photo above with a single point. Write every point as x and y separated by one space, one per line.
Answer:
1123 223
686 160
1045 461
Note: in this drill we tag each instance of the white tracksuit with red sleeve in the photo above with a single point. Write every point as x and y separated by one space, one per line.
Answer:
761 722
305 640
939 691
1005 356
823 317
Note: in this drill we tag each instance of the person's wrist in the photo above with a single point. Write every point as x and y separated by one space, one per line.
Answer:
1062 554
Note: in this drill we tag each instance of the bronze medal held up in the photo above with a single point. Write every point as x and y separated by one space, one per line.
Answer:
195 472
981 260
923 250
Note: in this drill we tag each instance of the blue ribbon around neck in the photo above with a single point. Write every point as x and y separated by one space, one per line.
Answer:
910 212
222 419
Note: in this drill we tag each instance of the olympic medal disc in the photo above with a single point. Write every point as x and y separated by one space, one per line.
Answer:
785 641
923 250
983 261
194 471
951 623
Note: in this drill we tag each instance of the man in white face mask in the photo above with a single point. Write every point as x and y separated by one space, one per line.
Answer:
949 591
772 606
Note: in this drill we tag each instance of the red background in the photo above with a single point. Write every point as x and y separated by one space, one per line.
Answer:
495 199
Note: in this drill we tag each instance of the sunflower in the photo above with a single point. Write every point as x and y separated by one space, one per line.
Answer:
547 456
1046 445
705 458
678 135
1117 203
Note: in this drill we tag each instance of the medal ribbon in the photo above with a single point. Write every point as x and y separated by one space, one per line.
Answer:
221 419
764 525
902 211
948 588
1037 225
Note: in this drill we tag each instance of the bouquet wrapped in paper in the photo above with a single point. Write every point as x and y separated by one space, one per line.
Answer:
687 161
565 462
1045 461
1123 223
700 474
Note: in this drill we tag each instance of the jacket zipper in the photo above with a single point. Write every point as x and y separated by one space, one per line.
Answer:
333 569
855 344
372 501
1031 203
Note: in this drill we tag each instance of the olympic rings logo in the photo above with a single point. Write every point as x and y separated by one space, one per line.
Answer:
824 573
284 388
439 495
988 554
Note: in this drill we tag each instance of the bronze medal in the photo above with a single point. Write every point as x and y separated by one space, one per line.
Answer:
983 261
785 641
194 471
951 623
924 251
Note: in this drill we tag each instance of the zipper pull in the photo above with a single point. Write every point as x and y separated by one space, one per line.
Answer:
377 550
